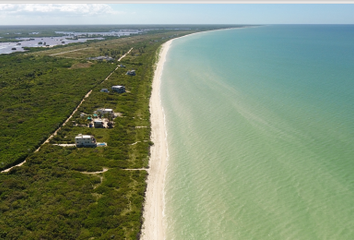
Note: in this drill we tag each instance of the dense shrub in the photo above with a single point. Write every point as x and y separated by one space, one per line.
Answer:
52 196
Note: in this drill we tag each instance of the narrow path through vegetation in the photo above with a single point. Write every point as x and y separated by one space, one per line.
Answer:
98 172
137 169
67 120
55 54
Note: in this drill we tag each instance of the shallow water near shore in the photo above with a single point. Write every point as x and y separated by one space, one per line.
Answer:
260 134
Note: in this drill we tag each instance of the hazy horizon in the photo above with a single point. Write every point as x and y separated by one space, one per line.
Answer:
106 14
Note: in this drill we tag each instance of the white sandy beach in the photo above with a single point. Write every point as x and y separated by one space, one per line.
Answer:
153 228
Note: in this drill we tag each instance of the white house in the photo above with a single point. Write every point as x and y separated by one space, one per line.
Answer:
131 73
103 111
118 89
85 141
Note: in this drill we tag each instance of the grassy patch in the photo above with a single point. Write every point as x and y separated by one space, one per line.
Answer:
81 65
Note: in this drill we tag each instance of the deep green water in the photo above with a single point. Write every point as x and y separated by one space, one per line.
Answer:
260 125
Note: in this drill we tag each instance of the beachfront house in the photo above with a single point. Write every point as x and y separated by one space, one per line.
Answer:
118 89
85 141
131 73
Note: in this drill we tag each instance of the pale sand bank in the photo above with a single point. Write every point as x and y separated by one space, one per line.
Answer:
153 226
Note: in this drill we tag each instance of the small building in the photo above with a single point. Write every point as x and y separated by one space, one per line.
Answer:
110 59
101 58
85 141
104 111
122 66
131 73
118 89
104 90
98 123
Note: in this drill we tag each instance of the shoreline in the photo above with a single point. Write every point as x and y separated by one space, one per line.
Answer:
153 227
153 214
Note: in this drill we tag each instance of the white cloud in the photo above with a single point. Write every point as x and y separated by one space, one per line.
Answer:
57 9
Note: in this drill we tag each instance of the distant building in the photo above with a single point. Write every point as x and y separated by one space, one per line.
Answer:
98 123
104 90
118 89
104 111
85 141
101 58
131 73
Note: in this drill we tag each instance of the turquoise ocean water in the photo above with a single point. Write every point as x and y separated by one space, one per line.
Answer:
260 125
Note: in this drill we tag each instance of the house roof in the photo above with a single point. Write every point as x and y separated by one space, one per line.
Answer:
82 136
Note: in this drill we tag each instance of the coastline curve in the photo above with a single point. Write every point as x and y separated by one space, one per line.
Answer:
153 226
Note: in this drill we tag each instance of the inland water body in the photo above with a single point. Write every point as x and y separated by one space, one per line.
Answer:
11 47
260 130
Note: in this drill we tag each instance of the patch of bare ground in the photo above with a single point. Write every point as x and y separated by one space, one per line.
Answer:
81 65
98 172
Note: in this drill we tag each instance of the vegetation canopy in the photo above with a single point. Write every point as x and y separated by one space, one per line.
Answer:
69 192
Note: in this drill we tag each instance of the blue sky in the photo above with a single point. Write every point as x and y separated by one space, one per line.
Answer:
61 14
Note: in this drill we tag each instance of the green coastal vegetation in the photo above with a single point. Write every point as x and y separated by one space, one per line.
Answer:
38 93
70 192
